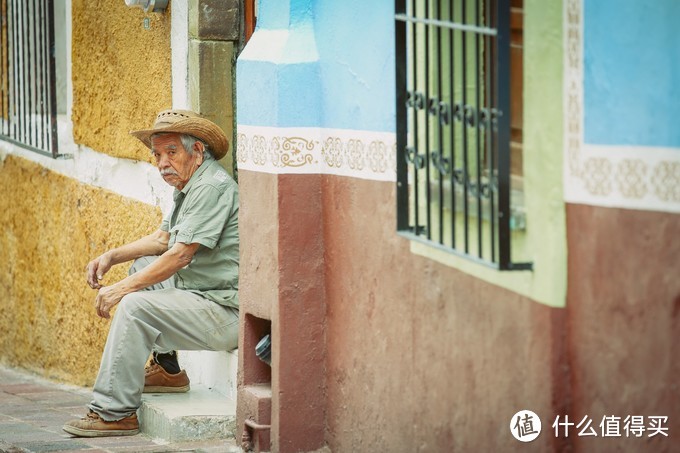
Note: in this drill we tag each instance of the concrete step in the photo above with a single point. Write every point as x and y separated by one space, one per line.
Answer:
214 369
207 411
199 414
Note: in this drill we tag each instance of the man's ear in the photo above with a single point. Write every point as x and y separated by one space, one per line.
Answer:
199 148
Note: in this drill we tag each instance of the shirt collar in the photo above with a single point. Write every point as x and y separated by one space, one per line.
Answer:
195 177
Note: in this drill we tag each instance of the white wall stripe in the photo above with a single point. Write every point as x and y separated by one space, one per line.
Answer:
307 150
133 179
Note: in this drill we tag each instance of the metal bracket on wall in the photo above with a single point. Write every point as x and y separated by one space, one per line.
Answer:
246 438
156 6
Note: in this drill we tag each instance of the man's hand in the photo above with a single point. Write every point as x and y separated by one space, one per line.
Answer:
107 298
96 270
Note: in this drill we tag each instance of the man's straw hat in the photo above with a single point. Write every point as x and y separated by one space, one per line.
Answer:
187 122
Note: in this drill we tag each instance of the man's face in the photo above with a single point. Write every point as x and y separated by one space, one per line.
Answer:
174 163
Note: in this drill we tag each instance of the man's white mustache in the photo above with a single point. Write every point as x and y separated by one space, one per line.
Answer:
168 171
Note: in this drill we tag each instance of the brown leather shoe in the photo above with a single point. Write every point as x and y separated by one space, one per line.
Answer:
157 380
92 425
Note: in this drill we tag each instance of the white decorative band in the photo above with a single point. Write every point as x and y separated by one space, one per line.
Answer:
308 150
627 177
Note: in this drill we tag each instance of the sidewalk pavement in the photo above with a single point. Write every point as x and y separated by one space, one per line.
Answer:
33 410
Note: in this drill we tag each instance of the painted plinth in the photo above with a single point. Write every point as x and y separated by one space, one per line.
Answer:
282 294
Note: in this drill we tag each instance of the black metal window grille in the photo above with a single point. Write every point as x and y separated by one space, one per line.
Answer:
453 126
28 101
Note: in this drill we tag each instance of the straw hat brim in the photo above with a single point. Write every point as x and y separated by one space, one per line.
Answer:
203 129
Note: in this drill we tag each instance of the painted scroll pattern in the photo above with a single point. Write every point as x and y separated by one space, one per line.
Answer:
345 153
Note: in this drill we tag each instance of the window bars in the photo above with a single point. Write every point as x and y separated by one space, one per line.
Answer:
453 126
28 104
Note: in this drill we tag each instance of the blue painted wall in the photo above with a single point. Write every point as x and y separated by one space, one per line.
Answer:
632 72
336 69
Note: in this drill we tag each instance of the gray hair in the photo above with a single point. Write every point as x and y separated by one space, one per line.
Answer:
188 142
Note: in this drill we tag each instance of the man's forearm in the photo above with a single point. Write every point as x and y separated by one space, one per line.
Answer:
161 269
154 244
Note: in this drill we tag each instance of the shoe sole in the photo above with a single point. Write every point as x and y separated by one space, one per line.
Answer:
165 389
99 432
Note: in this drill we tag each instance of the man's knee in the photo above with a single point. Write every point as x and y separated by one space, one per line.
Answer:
131 303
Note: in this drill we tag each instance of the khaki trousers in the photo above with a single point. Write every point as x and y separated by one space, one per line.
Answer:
160 318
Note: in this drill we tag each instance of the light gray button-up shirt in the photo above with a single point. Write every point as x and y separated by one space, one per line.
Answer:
206 212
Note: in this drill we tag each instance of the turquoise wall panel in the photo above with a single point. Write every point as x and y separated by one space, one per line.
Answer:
632 72
335 70
356 45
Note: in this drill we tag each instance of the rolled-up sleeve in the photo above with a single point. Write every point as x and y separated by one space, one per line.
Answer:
165 224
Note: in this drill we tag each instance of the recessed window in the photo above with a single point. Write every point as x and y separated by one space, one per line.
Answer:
29 92
457 95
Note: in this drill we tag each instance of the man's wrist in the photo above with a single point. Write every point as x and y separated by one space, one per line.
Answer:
124 287
110 255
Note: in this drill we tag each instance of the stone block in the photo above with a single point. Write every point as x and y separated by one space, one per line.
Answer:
217 20
211 86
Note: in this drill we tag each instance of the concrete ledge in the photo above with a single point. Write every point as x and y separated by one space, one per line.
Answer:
199 414
216 370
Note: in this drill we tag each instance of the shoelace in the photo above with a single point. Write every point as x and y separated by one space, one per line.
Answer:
150 367
92 416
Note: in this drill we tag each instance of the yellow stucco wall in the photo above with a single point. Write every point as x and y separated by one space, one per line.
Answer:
52 226
121 74
4 79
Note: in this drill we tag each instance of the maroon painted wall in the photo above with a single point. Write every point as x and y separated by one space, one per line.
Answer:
282 294
422 357
623 306
377 349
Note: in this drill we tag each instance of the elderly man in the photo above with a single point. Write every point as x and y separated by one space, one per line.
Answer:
182 291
